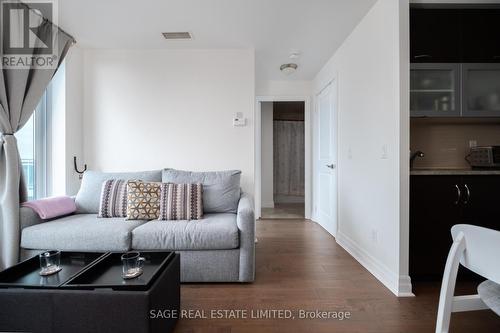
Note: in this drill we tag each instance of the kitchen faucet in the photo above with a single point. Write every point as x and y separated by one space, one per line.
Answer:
413 156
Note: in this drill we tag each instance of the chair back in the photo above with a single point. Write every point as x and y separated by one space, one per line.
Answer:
482 250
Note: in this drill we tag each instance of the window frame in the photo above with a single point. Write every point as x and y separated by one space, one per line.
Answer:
41 143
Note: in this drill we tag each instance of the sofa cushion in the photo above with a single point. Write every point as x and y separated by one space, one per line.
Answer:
81 232
87 199
213 232
221 189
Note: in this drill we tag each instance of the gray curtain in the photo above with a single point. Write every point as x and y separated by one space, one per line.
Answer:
289 158
20 91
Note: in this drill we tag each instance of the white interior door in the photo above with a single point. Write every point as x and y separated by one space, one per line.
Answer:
327 159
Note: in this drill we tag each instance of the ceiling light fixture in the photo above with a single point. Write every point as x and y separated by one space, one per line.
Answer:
288 69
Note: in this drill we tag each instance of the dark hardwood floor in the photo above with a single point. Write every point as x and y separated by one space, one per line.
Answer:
299 266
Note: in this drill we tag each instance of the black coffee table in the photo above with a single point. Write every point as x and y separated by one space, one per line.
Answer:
89 295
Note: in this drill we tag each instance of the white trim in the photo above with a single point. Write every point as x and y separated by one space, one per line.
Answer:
329 83
390 279
307 155
405 287
42 112
404 143
269 204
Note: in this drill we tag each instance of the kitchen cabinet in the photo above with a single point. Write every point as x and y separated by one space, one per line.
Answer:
453 33
436 204
482 206
433 211
480 29
455 90
435 35
435 90
481 90
455 56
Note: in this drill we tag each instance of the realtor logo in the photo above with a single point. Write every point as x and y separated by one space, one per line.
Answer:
27 36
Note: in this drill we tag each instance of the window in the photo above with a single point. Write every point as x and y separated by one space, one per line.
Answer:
31 141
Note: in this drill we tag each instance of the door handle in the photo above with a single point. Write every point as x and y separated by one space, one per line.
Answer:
467 191
459 194
330 166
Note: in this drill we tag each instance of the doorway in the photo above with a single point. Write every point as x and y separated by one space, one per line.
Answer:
283 159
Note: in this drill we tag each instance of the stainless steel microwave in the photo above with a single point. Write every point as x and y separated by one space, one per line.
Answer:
484 157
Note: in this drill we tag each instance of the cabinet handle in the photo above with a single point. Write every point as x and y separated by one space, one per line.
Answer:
496 57
459 194
422 56
467 190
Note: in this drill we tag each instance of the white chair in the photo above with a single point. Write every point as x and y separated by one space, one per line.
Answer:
478 249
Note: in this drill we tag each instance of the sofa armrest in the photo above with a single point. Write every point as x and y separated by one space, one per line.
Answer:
28 217
246 225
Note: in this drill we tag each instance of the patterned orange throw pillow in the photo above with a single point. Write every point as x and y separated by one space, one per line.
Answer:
143 200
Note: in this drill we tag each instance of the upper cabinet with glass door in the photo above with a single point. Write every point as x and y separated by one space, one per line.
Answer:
435 90
481 90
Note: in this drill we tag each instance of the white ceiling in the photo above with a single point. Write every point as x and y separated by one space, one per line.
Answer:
272 27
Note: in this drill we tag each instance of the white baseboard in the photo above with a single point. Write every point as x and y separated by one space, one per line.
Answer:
405 286
398 285
268 204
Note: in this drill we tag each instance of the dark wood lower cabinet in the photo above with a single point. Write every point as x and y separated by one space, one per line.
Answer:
433 211
483 205
436 204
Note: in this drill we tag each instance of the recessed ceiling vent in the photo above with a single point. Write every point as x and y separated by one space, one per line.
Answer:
177 35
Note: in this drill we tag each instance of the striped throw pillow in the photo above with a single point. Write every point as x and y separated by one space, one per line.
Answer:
113 201
181 201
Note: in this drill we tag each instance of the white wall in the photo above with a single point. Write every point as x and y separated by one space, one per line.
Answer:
169 108
367 67
283 88
267 155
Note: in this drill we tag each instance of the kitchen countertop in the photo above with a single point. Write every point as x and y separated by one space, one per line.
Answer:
452 172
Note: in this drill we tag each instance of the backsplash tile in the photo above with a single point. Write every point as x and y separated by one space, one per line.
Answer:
445 145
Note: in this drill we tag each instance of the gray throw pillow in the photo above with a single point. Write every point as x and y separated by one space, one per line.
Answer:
88 197
221 189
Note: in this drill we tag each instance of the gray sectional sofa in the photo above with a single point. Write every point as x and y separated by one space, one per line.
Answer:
218 248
